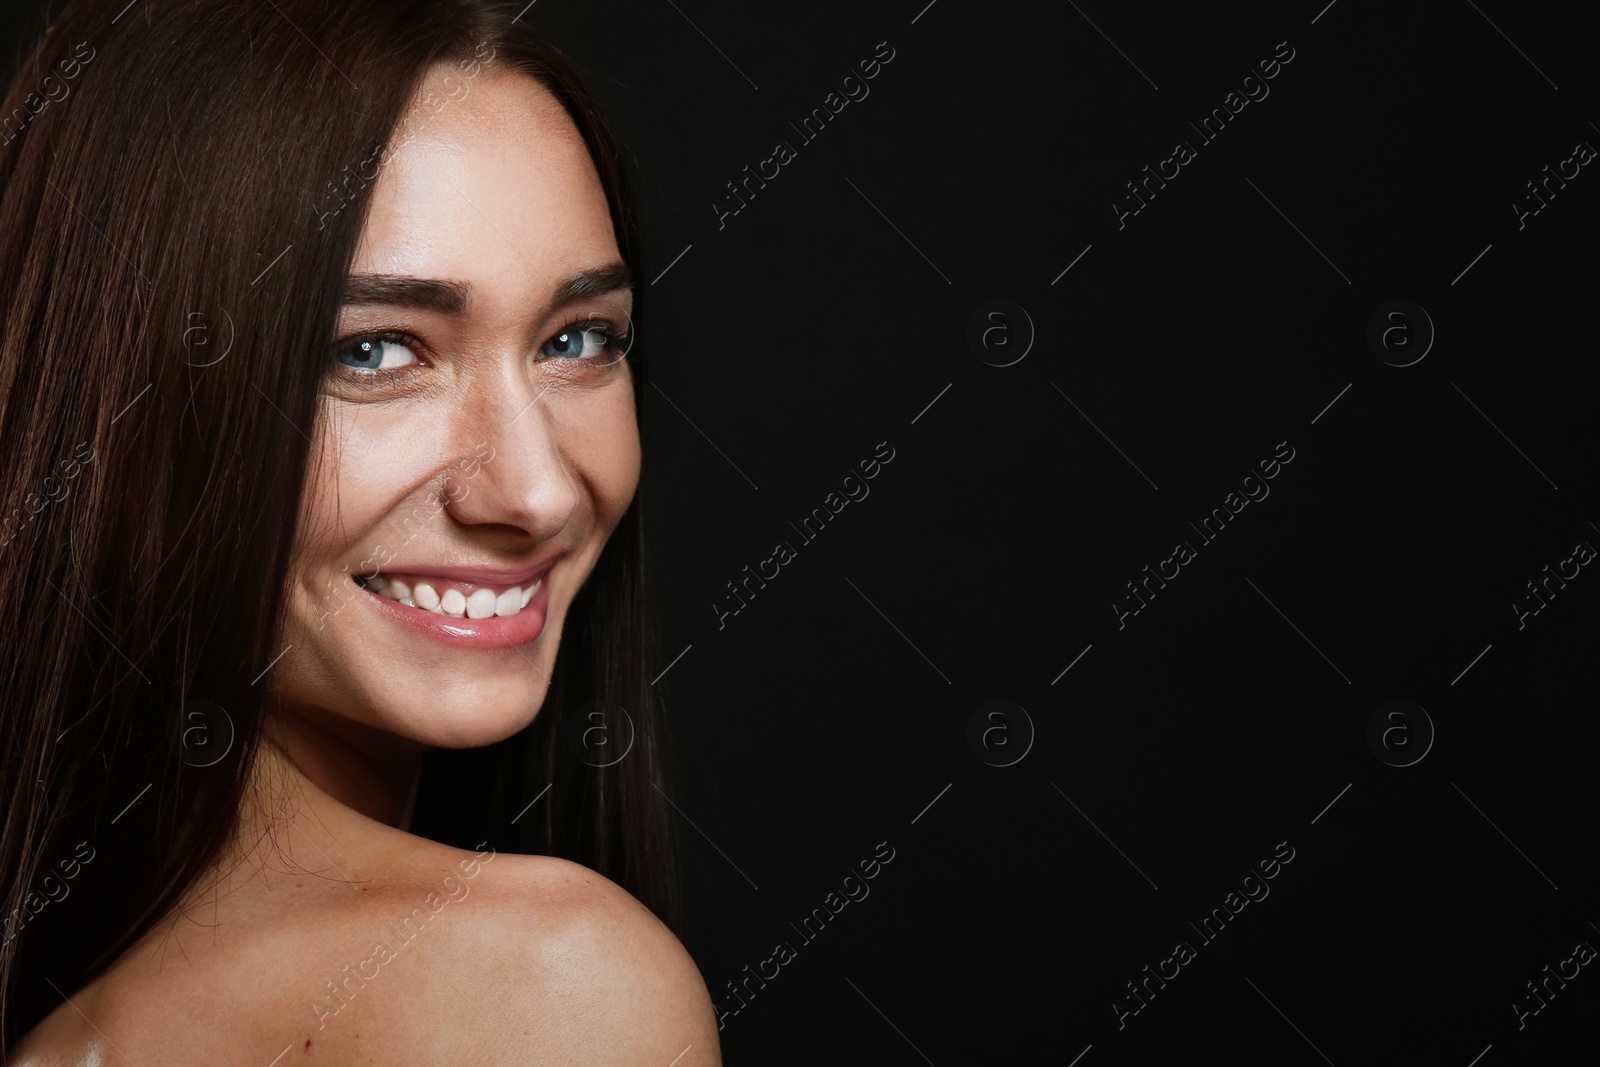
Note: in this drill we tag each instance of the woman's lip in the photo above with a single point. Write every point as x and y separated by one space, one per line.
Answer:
476 576
500 631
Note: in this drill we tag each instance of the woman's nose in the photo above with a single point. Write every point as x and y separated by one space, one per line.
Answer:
520 477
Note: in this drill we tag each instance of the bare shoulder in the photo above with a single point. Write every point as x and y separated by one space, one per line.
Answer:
591 968
451 956
62 1039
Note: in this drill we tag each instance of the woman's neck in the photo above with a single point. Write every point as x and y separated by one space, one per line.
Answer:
323 801
370 771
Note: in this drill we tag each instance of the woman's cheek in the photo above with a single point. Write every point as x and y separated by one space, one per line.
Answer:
613 455
318 500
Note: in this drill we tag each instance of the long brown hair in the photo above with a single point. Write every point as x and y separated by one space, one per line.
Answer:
178 215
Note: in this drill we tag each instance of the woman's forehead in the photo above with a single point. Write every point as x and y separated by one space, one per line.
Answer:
496 189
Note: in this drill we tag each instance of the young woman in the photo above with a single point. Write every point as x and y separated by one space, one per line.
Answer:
326 728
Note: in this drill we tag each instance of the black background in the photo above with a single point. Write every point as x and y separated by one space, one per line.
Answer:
831 713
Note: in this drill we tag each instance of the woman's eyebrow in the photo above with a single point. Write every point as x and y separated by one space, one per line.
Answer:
450 298
595 281
399 290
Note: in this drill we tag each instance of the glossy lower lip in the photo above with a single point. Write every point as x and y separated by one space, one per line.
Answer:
506 631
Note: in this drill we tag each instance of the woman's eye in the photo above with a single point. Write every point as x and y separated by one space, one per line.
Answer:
376 353
576 342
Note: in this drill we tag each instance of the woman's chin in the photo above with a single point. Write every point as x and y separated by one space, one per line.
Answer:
490 714
432 712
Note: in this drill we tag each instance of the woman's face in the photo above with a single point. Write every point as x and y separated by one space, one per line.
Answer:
478 445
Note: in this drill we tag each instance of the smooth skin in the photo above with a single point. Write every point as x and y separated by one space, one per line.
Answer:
519 959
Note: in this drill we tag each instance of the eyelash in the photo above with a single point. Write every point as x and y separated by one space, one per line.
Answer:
615 341
398 337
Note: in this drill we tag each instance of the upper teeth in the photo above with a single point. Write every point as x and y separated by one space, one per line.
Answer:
442 598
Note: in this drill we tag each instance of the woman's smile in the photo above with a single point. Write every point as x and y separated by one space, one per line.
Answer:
464 606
